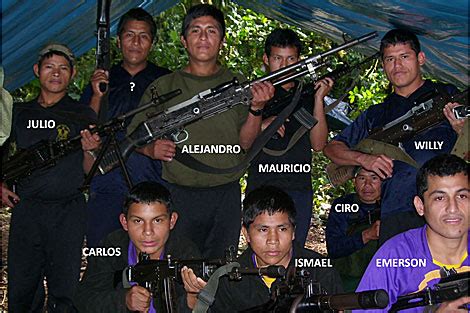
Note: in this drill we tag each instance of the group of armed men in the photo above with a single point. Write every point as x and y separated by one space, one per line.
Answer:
173 209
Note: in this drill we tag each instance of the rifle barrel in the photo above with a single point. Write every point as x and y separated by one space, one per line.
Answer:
371 299
309 64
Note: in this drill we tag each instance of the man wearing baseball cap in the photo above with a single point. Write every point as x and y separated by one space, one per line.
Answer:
48 215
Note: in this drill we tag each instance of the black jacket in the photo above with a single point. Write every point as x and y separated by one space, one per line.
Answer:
96 292
251 291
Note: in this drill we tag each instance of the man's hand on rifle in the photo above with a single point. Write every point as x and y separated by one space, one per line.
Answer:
161 149
381 164
262 92
138 299
90 142
455 306
371 233
323 88
99 76
9 198
192 284
457 124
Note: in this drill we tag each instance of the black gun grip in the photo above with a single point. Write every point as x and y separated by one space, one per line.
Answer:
103 87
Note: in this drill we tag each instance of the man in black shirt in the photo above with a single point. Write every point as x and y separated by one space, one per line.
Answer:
290 170
48 219
268 226
127 82
147 220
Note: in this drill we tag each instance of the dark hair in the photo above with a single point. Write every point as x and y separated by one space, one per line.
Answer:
203 10
52 53
267 199
148 192
137 14
282 38
441 165
399 36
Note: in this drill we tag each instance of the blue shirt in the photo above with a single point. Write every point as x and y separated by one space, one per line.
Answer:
125 92
399 190
338 241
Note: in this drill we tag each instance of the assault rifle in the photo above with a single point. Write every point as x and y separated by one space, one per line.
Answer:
447 289
46 154
275 105
159 276
299 293
170 123
103 52
387 140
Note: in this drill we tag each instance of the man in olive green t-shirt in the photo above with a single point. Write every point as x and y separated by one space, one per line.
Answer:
209 205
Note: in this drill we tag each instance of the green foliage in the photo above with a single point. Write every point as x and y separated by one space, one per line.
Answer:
243 51
372 90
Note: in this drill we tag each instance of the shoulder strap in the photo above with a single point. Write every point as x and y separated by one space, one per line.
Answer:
259 143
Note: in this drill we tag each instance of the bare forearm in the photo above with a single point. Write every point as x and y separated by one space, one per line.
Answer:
250 130
319 133
341 154
95 103
88 161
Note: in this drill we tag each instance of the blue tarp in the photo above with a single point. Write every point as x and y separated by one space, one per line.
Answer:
27 25
442 25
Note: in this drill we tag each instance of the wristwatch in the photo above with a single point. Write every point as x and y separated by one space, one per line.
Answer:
256 112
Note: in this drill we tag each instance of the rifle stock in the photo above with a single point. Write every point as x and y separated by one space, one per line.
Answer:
386 140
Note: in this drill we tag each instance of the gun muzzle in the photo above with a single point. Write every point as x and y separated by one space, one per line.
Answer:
371 299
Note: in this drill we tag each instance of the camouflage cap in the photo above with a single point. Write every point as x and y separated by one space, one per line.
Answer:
57 47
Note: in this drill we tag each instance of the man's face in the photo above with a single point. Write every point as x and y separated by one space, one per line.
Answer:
281 57
270 237
445 207
148 226
403 67
368 186
203 39
54 74
135 42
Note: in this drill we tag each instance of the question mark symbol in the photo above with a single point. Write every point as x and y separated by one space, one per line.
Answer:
132 85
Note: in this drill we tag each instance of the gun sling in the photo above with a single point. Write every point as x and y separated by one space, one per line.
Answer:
207 295
307 122
259 143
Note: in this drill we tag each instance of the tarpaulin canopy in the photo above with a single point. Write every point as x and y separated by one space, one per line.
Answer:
28 25
441 25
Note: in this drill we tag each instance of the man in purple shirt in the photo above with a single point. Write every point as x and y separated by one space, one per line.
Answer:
415 259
